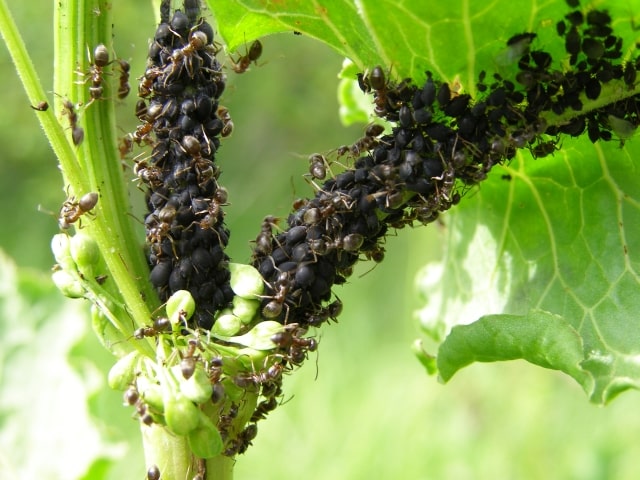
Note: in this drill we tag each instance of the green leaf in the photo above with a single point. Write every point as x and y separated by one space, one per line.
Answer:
560 236
451 39
541 338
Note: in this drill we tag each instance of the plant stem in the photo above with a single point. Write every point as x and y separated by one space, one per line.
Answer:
79 25
171 454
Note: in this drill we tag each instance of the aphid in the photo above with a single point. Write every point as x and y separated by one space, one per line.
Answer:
242 63
227 128
124 88
41 106
72 210
629 75
572 41
77 133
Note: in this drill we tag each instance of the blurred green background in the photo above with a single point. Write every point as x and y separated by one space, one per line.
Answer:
364 408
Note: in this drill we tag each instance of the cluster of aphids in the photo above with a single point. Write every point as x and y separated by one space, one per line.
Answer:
441 142
182 121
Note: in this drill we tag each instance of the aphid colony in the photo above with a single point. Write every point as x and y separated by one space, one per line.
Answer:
441 143
182 121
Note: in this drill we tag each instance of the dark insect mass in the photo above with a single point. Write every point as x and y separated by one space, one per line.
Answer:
439 142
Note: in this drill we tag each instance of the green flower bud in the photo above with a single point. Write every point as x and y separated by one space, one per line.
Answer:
111 338
85 252
151 393
180 307
196 388
123 373
181 415
259 337
245 309
61 248
226 325
205 441
246 281
67 284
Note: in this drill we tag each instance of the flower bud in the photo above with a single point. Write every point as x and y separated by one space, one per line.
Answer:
85 252
226 325
60 246
123 373
259 337
181 415
245 309
196 388
67 284
246 281
180 306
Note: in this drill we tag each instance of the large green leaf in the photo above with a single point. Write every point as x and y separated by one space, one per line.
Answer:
454 39
561 236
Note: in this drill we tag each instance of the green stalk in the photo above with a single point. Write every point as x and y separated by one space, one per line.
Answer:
82 25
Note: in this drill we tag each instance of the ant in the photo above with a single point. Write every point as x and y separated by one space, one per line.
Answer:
145 88
264 239
205 169
96 71
227 123
132 397
161 324
72 210
197 41
77 133
149 174
188 362
318 166
124 88
241 65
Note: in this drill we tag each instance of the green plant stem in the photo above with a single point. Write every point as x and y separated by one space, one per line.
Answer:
80 25
171 454
33 87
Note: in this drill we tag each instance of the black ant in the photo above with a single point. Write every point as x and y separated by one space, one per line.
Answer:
124 88
161 324
264 239
243 62
96 71
77 133
197 41
188 362
227 123
205 169
72 210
